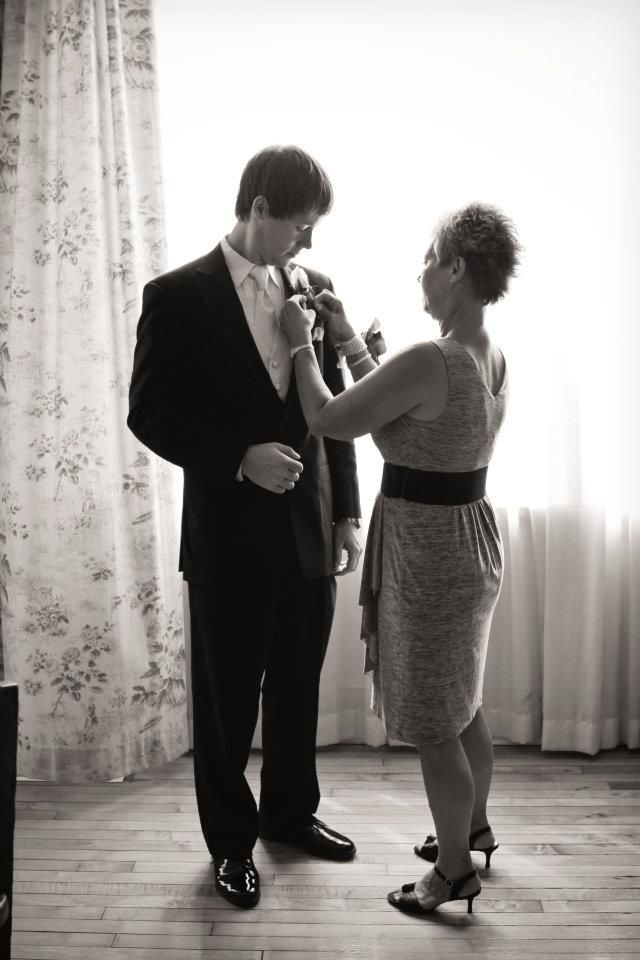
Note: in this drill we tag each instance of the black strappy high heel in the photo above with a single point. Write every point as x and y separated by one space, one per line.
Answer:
429 849
406 899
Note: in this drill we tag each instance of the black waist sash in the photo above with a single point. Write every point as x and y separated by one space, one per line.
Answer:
431 486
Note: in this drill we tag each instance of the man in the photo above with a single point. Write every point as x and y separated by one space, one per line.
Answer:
267 511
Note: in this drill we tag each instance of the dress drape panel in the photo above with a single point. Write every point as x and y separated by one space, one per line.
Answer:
92 617
563 663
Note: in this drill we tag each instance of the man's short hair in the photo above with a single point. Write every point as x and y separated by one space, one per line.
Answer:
487 241
292 182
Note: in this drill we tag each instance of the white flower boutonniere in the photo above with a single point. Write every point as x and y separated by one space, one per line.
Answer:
297 278
300 283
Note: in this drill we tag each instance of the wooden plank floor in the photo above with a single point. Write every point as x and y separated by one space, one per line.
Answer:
120 871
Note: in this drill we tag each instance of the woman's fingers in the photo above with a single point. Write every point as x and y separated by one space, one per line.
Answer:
293 312
328 301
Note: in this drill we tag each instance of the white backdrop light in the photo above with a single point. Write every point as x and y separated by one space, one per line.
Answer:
415 108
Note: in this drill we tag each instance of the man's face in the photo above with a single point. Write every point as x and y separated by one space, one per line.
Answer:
281 240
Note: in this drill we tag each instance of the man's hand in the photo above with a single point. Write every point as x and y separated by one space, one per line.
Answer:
272 466
345 538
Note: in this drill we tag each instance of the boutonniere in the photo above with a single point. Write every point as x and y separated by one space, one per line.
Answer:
300 283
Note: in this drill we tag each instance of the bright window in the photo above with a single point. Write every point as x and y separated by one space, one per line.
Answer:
415 108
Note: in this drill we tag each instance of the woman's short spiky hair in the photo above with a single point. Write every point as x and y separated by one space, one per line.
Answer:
487 241
292 182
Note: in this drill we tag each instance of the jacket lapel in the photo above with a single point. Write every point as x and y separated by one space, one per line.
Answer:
292 392
219 294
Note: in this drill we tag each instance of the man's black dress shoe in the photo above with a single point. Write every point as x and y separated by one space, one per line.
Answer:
315 837
237 880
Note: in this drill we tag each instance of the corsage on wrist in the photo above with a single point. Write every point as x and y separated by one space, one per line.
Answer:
375 341
355 351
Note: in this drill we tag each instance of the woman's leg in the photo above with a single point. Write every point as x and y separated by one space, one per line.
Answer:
448 780
478 746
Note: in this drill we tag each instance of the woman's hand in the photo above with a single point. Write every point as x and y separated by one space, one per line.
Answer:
331 314
297 322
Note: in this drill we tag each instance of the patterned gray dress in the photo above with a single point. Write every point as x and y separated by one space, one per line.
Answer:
432 574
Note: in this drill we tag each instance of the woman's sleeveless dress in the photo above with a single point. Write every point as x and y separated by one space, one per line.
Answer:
431 573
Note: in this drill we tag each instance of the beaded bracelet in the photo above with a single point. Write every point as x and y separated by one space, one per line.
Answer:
349 348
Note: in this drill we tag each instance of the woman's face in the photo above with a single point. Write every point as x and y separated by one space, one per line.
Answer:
434 280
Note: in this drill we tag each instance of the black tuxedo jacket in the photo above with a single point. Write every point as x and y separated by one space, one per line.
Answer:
200 395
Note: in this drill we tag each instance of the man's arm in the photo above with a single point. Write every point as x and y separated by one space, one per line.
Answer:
158 413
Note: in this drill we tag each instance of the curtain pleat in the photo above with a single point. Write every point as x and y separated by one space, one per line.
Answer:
92 616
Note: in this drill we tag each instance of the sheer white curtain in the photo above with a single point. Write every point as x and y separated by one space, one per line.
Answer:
90 599
413 110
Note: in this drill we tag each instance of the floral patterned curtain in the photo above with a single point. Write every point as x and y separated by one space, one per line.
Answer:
91 601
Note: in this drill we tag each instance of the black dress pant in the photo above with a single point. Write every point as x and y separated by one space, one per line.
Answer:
253 632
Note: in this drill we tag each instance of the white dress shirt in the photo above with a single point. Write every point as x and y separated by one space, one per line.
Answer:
272 345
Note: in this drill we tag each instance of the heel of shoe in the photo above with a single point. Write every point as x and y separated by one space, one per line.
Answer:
488 853
456 887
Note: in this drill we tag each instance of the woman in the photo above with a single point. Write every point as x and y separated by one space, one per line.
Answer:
433 563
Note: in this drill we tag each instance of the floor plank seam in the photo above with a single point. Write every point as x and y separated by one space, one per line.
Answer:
120 871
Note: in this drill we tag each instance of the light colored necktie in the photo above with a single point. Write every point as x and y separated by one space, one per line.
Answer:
265 311
273 349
